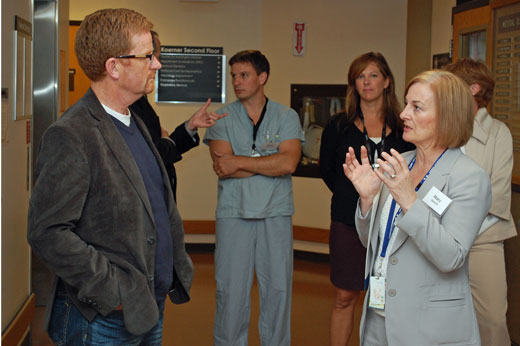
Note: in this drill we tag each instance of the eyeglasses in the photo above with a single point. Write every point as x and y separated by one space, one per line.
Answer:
133 56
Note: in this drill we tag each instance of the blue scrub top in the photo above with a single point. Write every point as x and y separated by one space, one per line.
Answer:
258 196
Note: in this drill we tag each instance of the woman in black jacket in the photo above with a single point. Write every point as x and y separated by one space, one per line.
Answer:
371 119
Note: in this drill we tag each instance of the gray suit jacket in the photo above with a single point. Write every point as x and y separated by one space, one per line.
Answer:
428 297
91 222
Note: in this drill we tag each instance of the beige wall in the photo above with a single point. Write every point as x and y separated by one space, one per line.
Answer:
15 251
418 37
441 26
234 25
338 31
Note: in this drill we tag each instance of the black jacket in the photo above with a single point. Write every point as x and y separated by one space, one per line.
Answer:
170 150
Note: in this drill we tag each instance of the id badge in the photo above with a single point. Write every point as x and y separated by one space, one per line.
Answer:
270 146
255 153
437 200
377 293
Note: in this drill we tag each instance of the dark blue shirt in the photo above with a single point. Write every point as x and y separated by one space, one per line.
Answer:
153 181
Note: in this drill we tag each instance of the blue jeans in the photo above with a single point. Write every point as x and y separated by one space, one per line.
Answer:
69 327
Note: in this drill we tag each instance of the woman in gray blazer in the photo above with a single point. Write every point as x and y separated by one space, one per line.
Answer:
418 215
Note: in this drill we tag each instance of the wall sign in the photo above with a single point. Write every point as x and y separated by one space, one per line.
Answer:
299 39
191 74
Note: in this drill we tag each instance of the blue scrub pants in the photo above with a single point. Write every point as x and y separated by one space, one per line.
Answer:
243 246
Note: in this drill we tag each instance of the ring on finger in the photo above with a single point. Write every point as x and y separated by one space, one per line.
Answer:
393 175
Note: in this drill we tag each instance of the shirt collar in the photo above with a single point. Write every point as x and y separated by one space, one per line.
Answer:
125 119
482 125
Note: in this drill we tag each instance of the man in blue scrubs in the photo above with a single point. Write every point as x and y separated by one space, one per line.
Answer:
254 150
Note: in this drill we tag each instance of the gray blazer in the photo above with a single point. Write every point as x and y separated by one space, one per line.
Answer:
428 297
91 222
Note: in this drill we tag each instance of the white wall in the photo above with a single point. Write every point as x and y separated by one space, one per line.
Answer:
15 196
338 32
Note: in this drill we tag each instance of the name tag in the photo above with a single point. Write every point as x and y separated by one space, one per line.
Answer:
377 293
270 146
436 200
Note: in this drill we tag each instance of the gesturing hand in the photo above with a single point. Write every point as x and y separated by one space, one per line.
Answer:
398 178
362 176
203 118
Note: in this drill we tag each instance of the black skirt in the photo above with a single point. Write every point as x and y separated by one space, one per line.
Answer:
347 257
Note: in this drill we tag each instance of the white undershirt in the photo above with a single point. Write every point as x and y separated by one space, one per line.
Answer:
124 118
375 140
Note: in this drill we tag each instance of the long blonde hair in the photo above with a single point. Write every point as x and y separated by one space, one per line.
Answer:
391 108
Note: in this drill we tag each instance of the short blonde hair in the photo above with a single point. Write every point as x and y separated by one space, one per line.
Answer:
475 72
454 104
104 34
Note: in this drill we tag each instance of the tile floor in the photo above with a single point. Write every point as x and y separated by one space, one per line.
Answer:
191 324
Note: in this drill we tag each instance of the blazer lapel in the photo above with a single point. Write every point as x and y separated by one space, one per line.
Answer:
119 148
374 236
383 195
401 236
438 178
482 126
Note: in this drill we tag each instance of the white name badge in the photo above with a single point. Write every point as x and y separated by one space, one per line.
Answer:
436 200
377 293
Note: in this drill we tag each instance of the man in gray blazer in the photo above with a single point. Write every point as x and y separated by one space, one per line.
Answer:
102 215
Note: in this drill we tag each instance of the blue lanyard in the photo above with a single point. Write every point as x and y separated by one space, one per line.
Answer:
390 224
